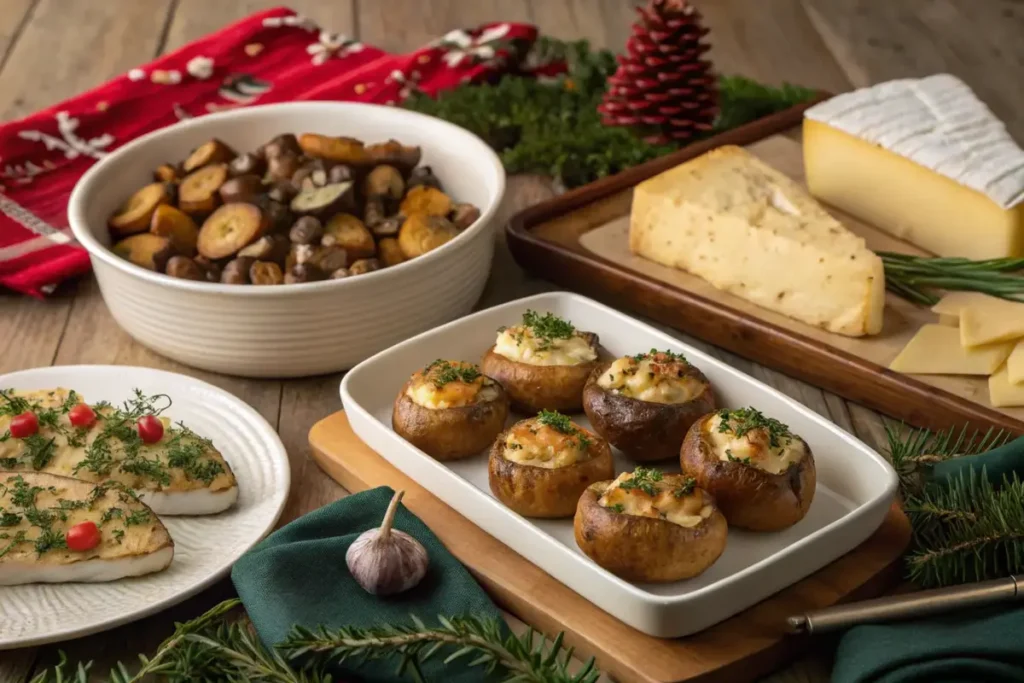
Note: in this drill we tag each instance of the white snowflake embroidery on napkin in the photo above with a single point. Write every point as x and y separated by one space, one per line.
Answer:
200 67
332 45
70 144
460 45
295 20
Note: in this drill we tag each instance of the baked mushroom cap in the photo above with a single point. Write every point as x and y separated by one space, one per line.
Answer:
636 539
450 410
762 475
541 466
644 405
543 363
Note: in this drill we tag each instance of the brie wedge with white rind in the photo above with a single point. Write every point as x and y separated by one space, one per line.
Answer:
923 159
182 474
37 509
747 229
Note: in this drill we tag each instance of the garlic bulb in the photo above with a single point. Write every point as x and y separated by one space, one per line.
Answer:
386 561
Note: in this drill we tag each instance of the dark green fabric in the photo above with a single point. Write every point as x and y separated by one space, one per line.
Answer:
298 575
982 646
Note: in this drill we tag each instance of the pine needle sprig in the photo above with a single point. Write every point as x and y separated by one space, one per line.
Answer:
525 658
917 278
967 530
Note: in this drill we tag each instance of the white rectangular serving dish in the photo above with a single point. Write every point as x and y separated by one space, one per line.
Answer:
855 484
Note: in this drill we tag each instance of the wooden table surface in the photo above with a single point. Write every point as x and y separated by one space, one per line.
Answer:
53 49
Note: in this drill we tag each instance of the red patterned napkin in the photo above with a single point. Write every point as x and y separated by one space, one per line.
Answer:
273 56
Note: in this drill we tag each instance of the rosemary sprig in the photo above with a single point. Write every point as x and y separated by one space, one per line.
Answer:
216 647
917 277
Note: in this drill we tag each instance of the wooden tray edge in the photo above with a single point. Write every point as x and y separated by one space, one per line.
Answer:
810 360
771 651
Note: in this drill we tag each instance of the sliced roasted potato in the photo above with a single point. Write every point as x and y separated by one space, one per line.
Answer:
282 144
423 176
389 252
236 271
135 214
185 268
464 215
394 154
248 163
324 201
281 168
243 188
266 273
230 228
421 233
426 200
146 250
328 259
341 149
384 181
198 191
176 225
349 233
272 248
306 230
302 272
212 152
363 266
388 227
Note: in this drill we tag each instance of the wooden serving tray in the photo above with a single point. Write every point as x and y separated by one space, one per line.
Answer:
580 241
740 649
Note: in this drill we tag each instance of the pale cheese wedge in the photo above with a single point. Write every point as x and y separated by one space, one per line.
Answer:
1002 393
38 509
1015 364
749 230
991 320
951 304
936 350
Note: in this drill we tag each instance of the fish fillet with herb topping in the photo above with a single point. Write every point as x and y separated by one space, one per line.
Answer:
56 530
173 470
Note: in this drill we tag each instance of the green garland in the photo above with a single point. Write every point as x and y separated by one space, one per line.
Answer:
965 529
554 128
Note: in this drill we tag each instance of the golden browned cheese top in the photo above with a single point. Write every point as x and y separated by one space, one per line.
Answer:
531 442
450 384
649 493
656 378
767 448
523 345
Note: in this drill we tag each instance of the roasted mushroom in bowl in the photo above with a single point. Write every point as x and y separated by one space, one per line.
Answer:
650 527
543 363
449 410
761 474
541 466
644 404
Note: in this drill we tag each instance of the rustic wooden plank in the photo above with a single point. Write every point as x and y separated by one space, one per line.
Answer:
196 18
14 16
980 42
605 23
402 25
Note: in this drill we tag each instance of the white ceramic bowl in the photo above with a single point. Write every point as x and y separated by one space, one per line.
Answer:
301 329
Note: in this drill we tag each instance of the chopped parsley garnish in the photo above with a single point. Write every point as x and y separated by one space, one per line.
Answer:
618 507
50 540
39 450
136 518
144 467
733 458
23 495
18 538
685 488
39 518
661 356
11 404
442 372
644 479
8 463
557 421
744 420
111 513
9 519
548 326
118 535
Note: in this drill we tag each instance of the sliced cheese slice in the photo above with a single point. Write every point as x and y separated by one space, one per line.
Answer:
991 320
923 159
749 230
951 304
936 350
1015 364
1002 393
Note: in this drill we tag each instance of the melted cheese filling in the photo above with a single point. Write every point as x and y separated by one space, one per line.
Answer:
688 510
651 381
452 395
521 345
537 445
753 448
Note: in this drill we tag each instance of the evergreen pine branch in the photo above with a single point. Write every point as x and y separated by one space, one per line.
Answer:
966 530
523 659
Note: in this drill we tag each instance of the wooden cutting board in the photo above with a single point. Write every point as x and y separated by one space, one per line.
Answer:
580 241
738 650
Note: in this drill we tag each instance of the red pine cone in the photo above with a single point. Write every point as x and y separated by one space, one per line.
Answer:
663 85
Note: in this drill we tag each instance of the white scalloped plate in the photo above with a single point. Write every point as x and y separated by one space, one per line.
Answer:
204 547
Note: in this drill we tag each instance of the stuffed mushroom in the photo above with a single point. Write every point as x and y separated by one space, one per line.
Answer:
644 404
761 474
450 410
650 527
541 466
543 363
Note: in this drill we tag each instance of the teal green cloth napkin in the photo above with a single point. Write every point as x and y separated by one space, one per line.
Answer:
298 575
980 646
